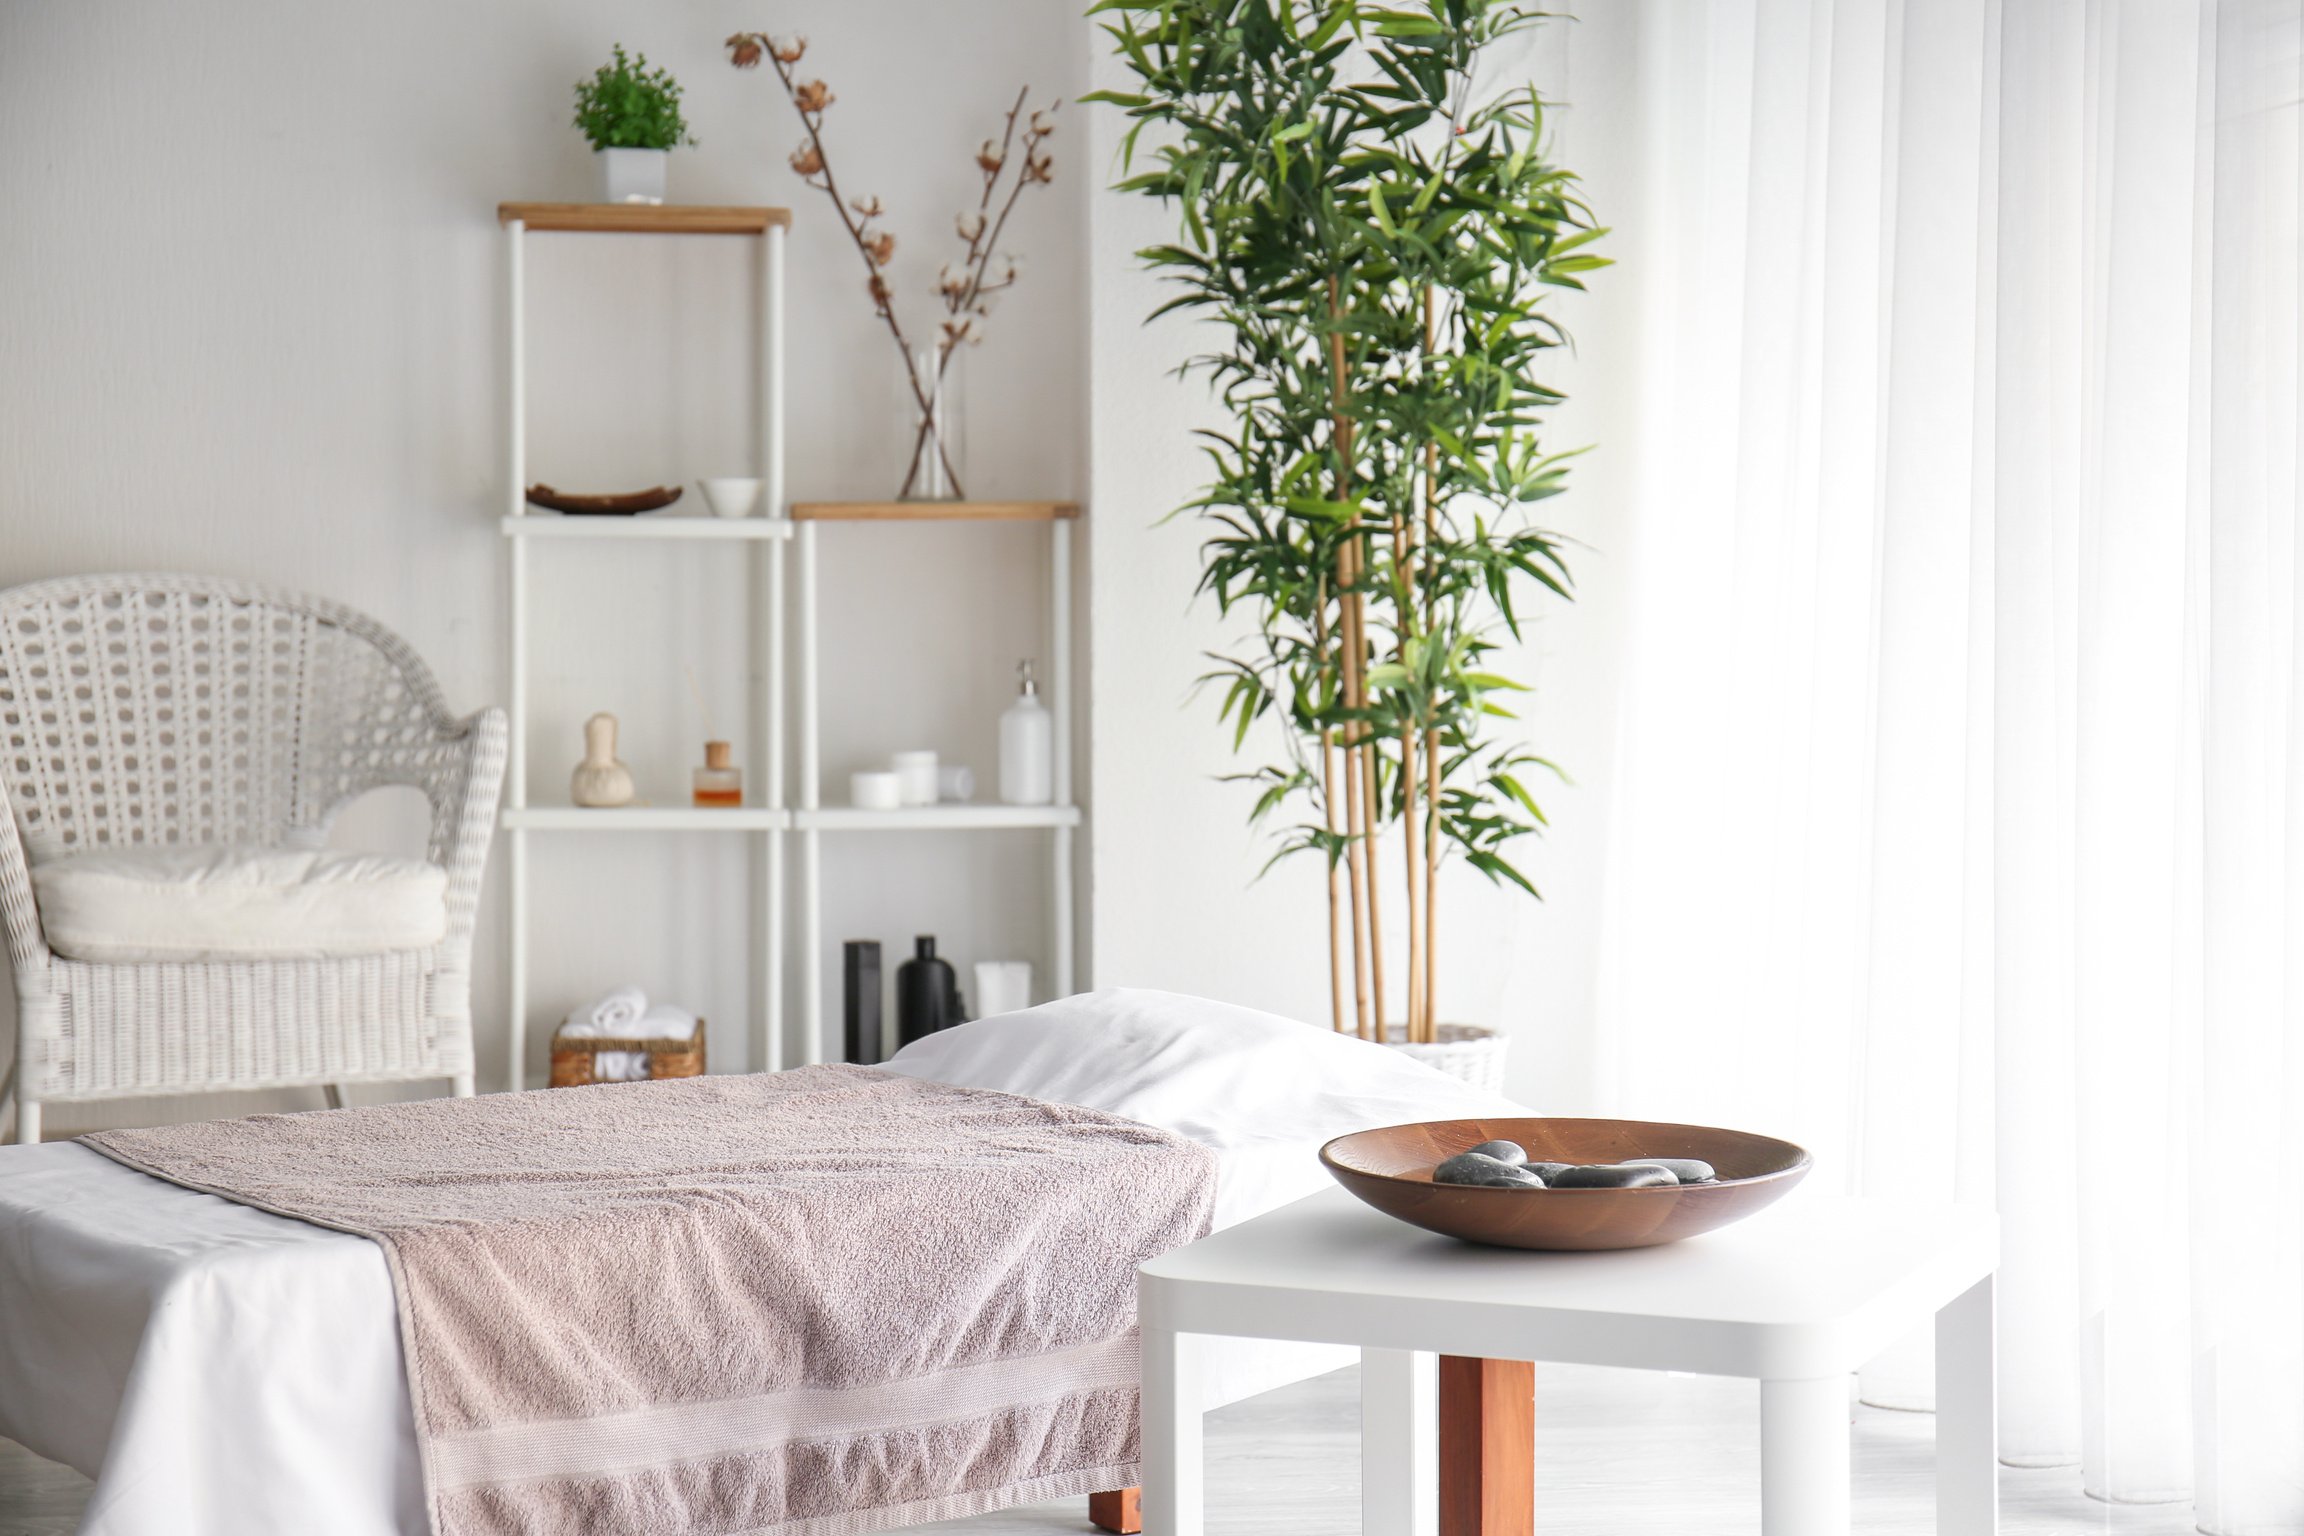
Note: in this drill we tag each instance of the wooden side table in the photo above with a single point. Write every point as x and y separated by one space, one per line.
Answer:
1796 1298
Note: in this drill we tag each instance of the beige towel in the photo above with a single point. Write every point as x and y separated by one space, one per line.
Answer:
806 1303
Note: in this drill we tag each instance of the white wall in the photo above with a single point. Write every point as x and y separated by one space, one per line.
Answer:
250 296
251 317
1176 902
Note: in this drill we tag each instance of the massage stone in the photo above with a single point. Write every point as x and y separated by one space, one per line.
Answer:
1615 1176
1479 1169
1549 1171
1503 1151
1688 1170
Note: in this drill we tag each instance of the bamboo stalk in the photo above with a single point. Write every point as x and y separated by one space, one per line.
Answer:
1353 678
1412 866
1412 863
1431 884
1365 735
1328 810
1429 873
1356 857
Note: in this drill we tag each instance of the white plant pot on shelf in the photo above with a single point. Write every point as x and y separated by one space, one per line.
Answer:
631 175
1470 1052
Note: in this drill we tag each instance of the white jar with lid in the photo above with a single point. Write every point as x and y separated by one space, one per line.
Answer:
915 777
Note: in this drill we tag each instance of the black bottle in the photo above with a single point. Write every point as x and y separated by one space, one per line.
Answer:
927 994
860 1000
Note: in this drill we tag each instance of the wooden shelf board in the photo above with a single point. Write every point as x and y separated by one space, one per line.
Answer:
932 511
643 218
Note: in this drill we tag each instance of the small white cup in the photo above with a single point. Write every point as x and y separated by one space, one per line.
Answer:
730 495
875 790
955 783
915 777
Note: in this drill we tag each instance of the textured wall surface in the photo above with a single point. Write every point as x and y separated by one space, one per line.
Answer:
251 307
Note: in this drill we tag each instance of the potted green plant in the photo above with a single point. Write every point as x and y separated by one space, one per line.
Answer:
1375 236
631 115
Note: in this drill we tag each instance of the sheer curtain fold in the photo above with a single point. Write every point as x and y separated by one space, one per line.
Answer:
1960 830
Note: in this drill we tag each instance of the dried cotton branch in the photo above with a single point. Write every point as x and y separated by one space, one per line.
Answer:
965 289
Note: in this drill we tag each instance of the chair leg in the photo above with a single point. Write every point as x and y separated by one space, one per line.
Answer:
461 1084
333 1094
7 1101
27 1120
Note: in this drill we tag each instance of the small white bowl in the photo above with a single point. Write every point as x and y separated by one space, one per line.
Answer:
730 495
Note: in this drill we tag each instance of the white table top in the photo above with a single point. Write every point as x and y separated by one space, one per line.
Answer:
1811 1287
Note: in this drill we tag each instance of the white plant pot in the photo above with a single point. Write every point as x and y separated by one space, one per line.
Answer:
1470 1052
632 175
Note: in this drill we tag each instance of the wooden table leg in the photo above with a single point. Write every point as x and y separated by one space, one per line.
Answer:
1487 1447
1117 1511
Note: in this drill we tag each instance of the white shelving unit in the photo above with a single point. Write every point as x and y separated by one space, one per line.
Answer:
766 817
813 818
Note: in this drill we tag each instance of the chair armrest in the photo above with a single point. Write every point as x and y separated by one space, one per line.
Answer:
458 766
28 949
463 788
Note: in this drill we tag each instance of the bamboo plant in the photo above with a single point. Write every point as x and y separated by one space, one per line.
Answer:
1376 237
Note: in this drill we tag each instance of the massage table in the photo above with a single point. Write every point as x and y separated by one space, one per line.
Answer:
218 1369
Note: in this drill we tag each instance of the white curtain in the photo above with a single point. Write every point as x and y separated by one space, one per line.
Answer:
1960 823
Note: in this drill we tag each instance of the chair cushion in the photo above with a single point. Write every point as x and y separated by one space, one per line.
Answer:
188 902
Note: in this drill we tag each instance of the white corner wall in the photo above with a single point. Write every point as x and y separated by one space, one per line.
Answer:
251 320
1176 901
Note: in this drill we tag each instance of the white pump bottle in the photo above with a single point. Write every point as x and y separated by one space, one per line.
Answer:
1027 740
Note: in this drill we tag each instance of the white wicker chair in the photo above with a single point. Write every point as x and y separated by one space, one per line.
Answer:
179 709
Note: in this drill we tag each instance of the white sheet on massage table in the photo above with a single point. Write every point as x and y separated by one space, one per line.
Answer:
218 1369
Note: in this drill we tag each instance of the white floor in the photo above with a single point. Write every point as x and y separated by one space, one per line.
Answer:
1619 1453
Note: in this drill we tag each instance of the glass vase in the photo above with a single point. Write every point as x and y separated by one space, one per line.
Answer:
928 406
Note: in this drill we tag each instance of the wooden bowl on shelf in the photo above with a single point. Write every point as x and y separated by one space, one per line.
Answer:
629 504
1391 1169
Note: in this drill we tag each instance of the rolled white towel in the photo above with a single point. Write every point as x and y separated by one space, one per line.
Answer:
611 1015
620 1067
662 1021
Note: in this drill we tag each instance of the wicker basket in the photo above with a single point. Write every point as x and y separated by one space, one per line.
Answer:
572 1060
1471 1052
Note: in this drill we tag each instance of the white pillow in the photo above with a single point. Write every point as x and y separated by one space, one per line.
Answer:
1264 1091
192 902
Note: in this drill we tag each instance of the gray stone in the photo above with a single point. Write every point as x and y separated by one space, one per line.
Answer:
1479 1169
1615 1176
1549 1171
1688 1170
1503 1151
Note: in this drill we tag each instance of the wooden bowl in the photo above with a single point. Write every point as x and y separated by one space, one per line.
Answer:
629 504
1391 1169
